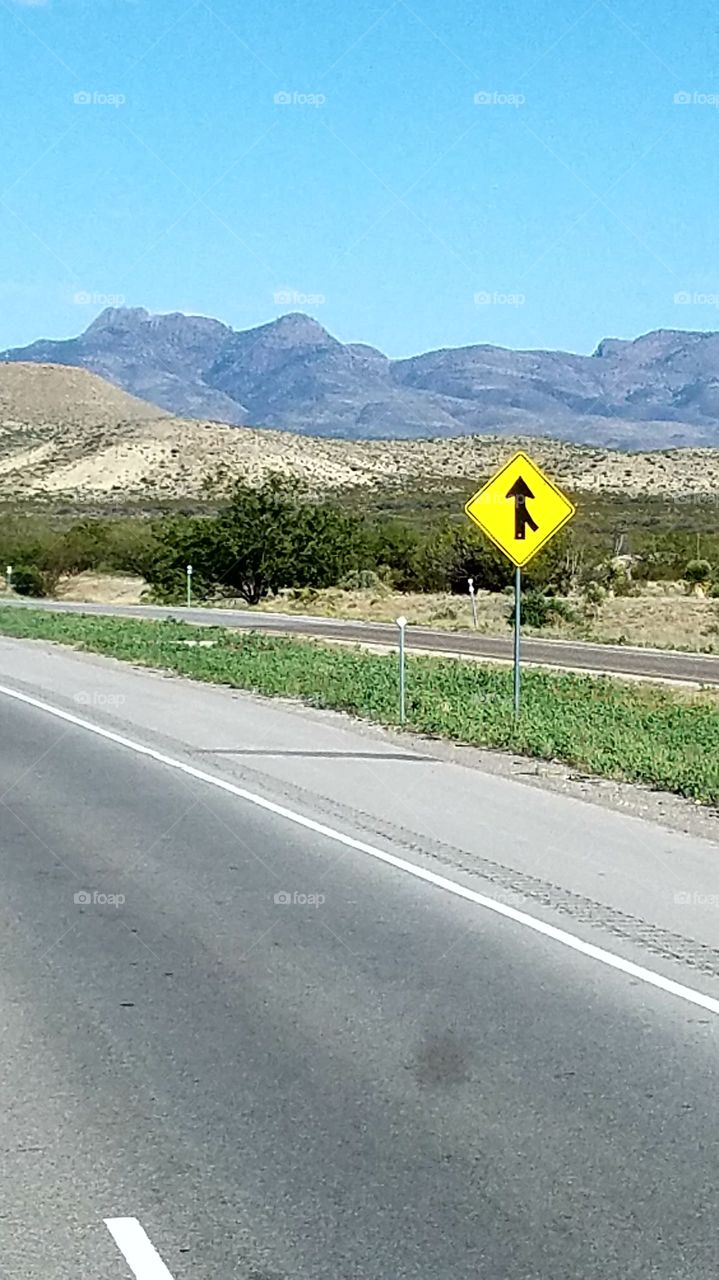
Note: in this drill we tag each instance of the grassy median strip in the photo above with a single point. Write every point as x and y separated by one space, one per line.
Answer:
637 732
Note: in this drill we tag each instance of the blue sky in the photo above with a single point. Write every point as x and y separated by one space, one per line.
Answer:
144 158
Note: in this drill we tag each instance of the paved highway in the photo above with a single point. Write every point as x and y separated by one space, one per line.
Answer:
658 664
282 998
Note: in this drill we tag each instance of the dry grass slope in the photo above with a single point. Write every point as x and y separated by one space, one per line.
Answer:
67 434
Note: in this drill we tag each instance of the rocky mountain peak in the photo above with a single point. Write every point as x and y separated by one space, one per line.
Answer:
656 391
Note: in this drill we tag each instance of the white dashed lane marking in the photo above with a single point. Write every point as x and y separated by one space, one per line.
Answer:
138 1250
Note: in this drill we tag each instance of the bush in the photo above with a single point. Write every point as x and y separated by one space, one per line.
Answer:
29 580
363 580
562 609
79 548
593 597
697 572
393 547
54 551
536 609
129 546
555 569
593 593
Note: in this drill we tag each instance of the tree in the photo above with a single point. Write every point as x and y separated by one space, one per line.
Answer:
129 545
78 549
179 541
393 547
476 557
327 544
261 540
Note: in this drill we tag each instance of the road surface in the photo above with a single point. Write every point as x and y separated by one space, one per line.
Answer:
282 998
656 664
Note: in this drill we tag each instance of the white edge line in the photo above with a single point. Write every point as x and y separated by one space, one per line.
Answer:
566 939
137 1249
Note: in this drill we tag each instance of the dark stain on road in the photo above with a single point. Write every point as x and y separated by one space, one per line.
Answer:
442 1059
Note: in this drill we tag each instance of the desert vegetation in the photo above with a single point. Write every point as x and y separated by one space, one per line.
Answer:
275 545
264 539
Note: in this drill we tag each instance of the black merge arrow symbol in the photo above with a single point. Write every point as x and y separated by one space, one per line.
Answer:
520 491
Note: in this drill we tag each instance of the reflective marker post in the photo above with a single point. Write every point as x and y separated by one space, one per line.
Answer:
189 586
517 628
8 578
474 601
401 623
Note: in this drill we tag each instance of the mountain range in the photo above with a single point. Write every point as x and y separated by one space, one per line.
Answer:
70 440
660 390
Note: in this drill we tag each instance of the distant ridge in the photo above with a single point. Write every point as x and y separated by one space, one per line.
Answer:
659 391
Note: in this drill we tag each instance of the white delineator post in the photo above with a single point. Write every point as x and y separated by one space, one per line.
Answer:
8 578
189 586
474 601
401 623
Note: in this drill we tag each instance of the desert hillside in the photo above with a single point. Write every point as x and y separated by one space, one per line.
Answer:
44 394
67 434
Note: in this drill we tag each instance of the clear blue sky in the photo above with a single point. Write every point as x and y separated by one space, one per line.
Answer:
581 208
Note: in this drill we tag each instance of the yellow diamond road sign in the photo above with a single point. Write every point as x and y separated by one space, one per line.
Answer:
520 509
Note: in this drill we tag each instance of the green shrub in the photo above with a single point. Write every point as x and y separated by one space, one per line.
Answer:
536 609
539 610
363 580
562 609
593 595
697 572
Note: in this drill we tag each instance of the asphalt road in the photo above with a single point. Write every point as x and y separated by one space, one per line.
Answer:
658 664
284 1058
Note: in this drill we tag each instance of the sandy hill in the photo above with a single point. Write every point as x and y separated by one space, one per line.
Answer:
38 394
68 435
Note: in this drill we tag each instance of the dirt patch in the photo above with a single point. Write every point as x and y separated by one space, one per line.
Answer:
101 588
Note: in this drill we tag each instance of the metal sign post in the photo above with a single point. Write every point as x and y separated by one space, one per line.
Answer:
401 623
189 586
517 630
